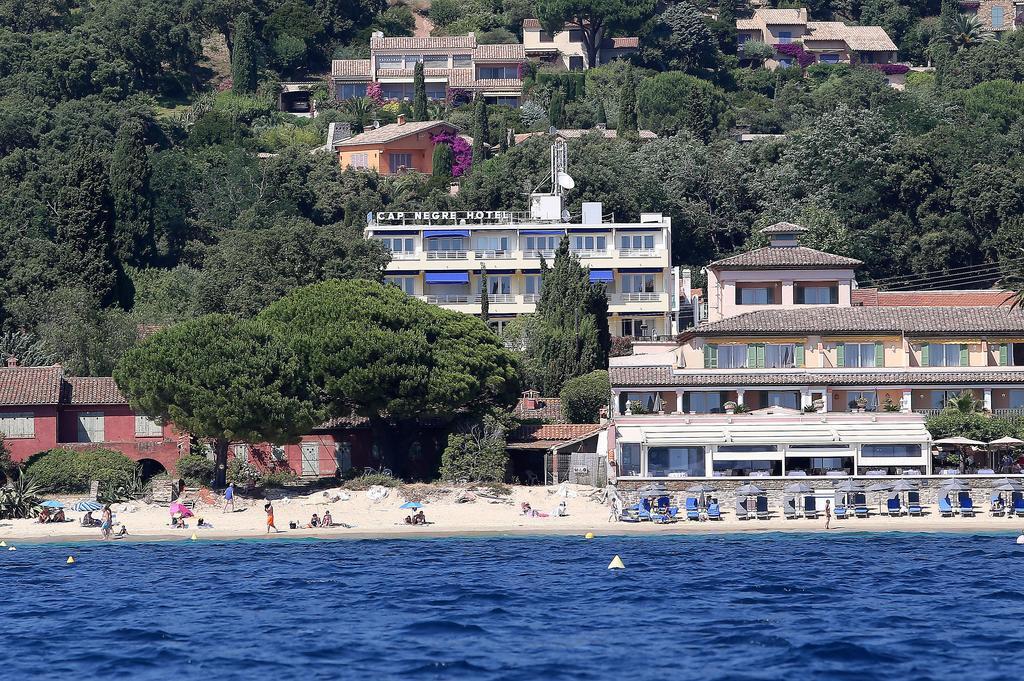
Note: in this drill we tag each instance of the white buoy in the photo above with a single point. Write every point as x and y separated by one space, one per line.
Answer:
3 543
1020 539
616 564
11 548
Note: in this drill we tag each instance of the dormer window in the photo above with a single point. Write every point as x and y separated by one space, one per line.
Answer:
762 294
816 294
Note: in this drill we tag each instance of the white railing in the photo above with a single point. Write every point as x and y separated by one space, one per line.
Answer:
643 297
446 255
446 299
404 255
1008 412
531 298
547 255
493 298
493 255
928 412
592 253
638 252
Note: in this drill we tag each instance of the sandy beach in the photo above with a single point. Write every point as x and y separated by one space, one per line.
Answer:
362 517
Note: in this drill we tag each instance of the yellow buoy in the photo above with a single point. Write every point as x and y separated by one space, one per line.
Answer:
588 535
194 537
616 564
71 560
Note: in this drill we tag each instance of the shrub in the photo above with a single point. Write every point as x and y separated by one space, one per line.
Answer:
674 101
478 455
278 478
622 346
20 498
583 397
368 480
71 471
195 469
242 473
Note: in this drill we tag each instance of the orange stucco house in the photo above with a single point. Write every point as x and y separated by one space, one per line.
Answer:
393 148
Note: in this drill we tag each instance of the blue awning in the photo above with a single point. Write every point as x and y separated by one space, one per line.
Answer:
601 275
447 277
589 230
636 270
552 232
433 233
396 232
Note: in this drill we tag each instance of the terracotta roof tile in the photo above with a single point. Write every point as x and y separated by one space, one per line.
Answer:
503 52
531 23
391 132
553 433
869 38
987 298
625 377
92 391
445 42
351 67
547 409
783 228
30 385
781 16
784 257
625 42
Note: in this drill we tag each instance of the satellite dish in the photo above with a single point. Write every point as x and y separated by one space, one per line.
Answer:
565 215
565 181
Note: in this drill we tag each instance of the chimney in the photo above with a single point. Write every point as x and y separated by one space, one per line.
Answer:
12 362
401 119
530 399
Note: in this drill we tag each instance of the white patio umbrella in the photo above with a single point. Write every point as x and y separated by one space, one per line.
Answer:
961 441
1007 442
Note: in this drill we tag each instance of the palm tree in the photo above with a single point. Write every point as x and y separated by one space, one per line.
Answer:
361 110
965 403
967 31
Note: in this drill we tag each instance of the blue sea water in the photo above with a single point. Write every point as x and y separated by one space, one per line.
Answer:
772 606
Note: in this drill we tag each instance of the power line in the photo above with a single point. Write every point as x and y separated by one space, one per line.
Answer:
977 279
944 274
948 270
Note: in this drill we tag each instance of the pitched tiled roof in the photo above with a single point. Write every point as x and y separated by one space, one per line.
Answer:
391 132
625 42
794 257
548 409
869 38
747 24
92 391
531 23
445 42
830 319
30 385
547 435
511 52
351 67
869 297
664 376
825 30
573 133
783 228
781 16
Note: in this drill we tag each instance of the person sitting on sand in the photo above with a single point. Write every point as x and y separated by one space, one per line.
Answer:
58 517
419 519
409 520
123 532
530 512
327 520
314 521
88 520
203 524
44 515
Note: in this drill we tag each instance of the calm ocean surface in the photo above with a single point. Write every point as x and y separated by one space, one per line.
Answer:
773 606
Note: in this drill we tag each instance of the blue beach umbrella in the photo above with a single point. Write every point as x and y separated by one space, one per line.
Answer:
52 504
87 505
411 504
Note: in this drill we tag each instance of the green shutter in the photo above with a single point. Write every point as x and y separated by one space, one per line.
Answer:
924 355
1002 354
751 356
710 356
840 354
760 355
798 355
879 355
965 360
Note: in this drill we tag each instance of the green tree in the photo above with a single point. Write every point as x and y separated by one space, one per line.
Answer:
243 56
628 127
419 102
373 350
444 12
481 133
220 378
485 297
574 338
556 110
479 454
583 397
442 160
592 19
966 32
675 101
602 116
87 339
685 38
130 176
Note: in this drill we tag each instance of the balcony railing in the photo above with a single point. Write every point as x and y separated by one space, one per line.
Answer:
1009 412
493 255
591 253
547 255
638 252
446 255
531 298
493 298
446 299
928 412
642 297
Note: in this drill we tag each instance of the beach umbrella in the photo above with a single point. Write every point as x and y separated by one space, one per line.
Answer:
798 489
847 487
411 504
701 488
904 486
749 490
880 487
87 505
954 485
654 487
1007 442
184 510
960 441
52 504
1007 485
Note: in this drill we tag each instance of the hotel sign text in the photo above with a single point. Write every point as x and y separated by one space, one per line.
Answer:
454 216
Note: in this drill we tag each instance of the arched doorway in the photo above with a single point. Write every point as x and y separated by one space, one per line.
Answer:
151 467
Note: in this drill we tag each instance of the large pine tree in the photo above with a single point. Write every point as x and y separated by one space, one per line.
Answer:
243 56
130 175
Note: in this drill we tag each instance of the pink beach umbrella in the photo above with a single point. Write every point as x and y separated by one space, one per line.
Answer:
182 509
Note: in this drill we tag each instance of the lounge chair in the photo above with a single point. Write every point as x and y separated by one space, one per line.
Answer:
789 507
966 505
894 507
762 508
1018 507
945 509
692 512
741 510
997 505
644 509
663 505
714 511
810 508
841 512
860 511
914 504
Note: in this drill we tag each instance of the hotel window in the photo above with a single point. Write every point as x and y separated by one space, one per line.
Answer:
351 90
497 285
732 356
889 451
639 328
859 355
575 63
636 242
462 61
997 18
454 243
944 355
398 245
589 243
398 161
498 244
397 91
498 325
241 452
663 462
510 102
90 426
787 399
816 295
541 243
779 356
389 61
629 459
436 91
785 37
1011 354
702 402
785 62
869 396
637 283
435 61
532 283
575 35
343 456
16 426
755 295
359 161
147 427
411 60
942 398
407 284
497 72
648 401
546 37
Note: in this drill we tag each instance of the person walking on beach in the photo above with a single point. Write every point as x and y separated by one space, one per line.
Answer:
229 498
106 522
269 508
828 513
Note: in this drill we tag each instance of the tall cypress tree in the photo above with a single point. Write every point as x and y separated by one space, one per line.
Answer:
480 133
442 160
628 127
602 115
419 100
485 302
573 316
556 110
243 56
130 176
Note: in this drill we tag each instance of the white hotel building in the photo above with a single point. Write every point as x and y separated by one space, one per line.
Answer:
439 257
